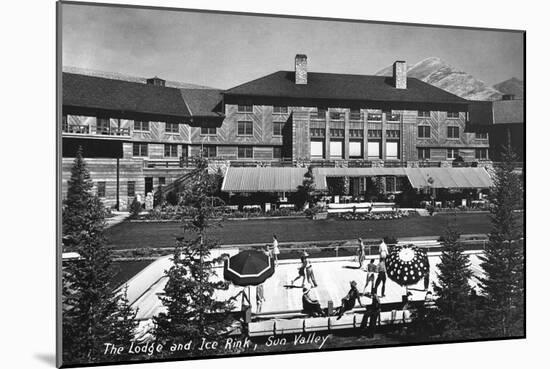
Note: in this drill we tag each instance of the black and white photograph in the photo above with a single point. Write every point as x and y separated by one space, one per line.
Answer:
235 184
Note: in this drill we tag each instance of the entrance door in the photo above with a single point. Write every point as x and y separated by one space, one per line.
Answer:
148 185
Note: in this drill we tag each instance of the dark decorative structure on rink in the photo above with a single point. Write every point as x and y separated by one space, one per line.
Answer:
407 265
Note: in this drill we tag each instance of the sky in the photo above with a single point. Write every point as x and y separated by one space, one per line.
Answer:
225 50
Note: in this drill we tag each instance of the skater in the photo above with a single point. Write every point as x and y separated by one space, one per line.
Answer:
275 251
301 274
310 276
381 277
311 306
361 253
383 250
260 298
348 302
373 312
372 273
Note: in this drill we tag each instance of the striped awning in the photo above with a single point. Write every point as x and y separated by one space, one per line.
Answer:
418 177
263 179
449 177
275 179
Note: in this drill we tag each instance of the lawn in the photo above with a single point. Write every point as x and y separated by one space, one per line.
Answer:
129 235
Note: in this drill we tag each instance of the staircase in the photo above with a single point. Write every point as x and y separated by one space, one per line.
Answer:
176 185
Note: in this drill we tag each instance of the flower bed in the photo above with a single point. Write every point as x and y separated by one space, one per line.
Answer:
176 213
396 214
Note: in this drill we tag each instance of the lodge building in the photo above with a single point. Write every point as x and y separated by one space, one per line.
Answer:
137 136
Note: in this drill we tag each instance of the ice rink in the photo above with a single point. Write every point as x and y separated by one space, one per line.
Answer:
332 274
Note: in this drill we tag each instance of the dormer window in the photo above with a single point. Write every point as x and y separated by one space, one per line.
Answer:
156 81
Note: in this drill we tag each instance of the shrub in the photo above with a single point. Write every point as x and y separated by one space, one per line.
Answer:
135 208
172 198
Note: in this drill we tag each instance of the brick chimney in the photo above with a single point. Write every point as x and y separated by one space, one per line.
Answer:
300 69
400 74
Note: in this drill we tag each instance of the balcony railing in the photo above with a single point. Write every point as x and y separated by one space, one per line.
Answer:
74 128
429 164
113 131
87 130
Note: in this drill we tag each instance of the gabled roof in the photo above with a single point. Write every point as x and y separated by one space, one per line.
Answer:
508 111
344 87
203 102
110 94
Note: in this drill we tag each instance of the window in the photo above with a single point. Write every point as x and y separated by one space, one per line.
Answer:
100 189
375 133
336 115
277 152
356 133
334 132
373 150
336 149
424 113
103 126
321 113
482 135
452 153
356 149
280 109
245 107
170 150
424 131
140 149
131 188
453 114
140 125
278 128
452 132
209 131
392 133
482 154
317 149
376 117
244 152
317 132
244 128
355 114
392 150
64 123
423 153
162 181
209 151
172 128
392 117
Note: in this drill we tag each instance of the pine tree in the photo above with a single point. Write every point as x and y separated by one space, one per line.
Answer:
88 299
452 290
192 312
124 322
503 261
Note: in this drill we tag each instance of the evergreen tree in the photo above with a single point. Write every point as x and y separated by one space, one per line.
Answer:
503 261
124 323
306 191
192 312
88 300
453 303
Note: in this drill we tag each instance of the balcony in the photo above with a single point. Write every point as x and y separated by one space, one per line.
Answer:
429 164
77 129
101 131
182 162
